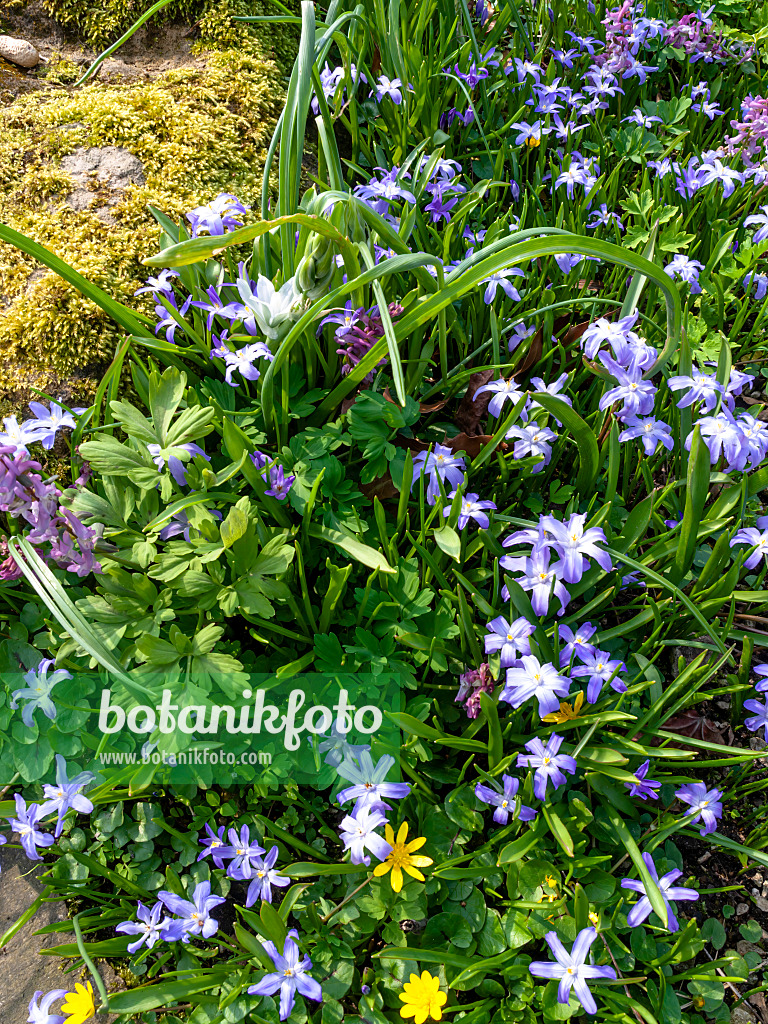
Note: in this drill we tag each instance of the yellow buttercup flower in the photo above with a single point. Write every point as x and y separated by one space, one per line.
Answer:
531 142
79 1004
551 884
594 919
566 712
401 858
423 998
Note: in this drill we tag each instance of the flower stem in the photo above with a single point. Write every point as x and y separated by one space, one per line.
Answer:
337 908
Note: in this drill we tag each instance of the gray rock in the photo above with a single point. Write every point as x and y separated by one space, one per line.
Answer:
742 908
23 971
740 1015
112 166
19 51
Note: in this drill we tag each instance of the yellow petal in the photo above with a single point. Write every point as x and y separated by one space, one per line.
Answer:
421 862
416 844
413 872
407 1011
441 998
397 879
382 869
389 834
402 832
578 702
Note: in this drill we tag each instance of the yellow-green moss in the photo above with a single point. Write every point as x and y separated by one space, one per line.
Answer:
197 132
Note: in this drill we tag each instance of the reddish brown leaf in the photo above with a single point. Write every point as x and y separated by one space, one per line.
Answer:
471 412
471 444
532 356
574 333
382 488
691 723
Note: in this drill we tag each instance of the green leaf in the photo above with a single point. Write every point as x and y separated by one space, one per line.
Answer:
150 997
196 250
415 727
586 442
305 869
424 956
651 888
639 281
495 743
351 546
696 493
272 925
234 527
448 541
559 831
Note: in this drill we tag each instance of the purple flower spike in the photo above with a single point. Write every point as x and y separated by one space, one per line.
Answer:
599 667
534 679
539 577
548 764
242 853
644 787
575 545
760 718
358 833
369 787
505 801
571 969
705 804
510 639
41 1013
264 877
502 391
290 976
576 643
762 685
471 508
279 483
642 909
66 794
194 914
25 825
149 928
757 539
